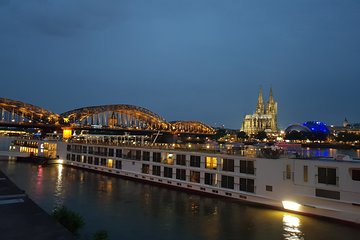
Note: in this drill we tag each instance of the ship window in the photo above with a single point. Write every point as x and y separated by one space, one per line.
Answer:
194 176
327 175
167 172
355 174
306 177
210 179
269 188
156 170
111 152
247 167
327 194
146 156
227 182
91 150
288 171
227 165
211 162
118 164
103 161
247 185
169 159
180 159
145 168
195 161
156 157
118 153
181 174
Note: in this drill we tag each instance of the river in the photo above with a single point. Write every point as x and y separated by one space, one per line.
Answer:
133 210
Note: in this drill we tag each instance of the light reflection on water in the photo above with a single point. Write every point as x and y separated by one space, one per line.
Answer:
132 210
329 152
292 230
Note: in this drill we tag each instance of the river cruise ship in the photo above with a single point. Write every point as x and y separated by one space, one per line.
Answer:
326 187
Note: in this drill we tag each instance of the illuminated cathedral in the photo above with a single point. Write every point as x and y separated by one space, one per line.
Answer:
264 118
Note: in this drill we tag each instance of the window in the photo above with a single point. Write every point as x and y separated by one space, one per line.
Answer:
84 149
156 170
68 148
90 160
355 174
137 155
96 161
306 177
210 179
68 156
195 161
327 175
195 176
78 158
111 152
169 159
118 153
145 168
211 162
167 172
247 167
269 188
72 157
103 161
181 174
181 159
118 164
84 159
327 194
146 156
247 185
156 157
91 150
288 171
227 182
110 163
228 165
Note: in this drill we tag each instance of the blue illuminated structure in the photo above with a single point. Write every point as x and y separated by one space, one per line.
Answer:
317 127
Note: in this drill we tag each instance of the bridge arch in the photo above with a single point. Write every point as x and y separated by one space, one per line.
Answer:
17 111
117 115
191 127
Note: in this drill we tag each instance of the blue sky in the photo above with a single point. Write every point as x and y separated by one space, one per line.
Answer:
185 59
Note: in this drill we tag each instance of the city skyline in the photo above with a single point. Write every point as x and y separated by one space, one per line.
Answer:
203 60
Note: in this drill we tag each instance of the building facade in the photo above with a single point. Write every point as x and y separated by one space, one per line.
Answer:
264 118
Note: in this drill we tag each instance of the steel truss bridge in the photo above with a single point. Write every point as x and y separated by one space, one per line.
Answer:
114 117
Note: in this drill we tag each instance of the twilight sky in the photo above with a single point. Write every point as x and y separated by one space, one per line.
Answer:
185 59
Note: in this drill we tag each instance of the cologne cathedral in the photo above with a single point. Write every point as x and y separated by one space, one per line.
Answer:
264 118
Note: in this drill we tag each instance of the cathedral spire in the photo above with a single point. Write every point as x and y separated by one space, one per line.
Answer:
260 103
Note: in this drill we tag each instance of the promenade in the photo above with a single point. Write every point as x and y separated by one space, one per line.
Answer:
21 218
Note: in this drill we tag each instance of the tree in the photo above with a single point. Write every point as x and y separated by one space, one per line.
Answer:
261 135
71 220
242 135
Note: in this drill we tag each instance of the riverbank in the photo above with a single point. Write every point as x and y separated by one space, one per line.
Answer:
21 218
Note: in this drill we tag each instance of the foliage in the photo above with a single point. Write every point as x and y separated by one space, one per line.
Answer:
242 135
261 135
101 235
69 219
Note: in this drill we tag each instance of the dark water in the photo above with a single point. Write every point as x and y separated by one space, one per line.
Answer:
131 210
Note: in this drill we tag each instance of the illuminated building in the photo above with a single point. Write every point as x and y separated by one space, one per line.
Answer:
264 118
